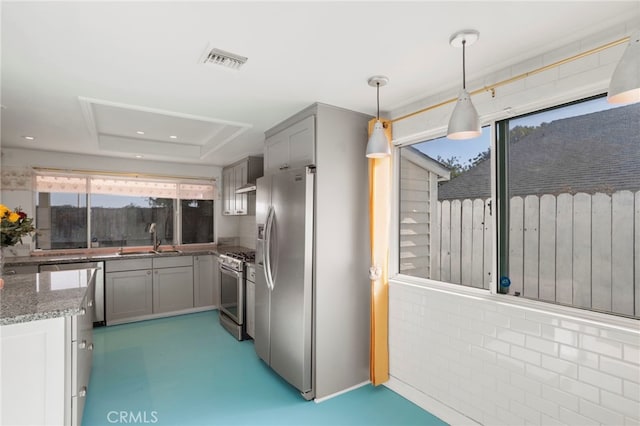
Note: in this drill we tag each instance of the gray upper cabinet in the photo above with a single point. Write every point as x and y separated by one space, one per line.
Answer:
291 147
236 176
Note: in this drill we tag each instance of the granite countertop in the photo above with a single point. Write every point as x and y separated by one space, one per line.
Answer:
102 255
31 297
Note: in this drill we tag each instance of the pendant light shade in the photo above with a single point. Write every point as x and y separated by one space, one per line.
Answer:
464 122
378 145
625 81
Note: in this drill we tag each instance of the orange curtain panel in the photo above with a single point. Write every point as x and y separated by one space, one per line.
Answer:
379 213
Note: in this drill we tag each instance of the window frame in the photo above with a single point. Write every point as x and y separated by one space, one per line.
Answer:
177 210
499 124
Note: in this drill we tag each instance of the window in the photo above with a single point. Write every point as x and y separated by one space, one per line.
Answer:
121 221
94 211
61 218
197 221
571 220
445 192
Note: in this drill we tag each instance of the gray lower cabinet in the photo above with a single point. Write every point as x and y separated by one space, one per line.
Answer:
172 284
138 289
129 288
205 281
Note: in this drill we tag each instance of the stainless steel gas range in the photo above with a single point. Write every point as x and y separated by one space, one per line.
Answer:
232 266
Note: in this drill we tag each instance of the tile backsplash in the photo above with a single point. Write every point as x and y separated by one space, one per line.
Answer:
246 231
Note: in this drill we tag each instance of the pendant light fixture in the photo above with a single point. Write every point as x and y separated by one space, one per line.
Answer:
464 122
625 81
378 145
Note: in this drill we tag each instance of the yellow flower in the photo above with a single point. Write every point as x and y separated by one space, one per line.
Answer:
13 217
3 210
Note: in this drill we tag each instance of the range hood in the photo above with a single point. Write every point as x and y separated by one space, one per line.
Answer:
249 187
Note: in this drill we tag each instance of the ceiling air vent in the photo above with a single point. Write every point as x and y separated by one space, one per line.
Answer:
224 59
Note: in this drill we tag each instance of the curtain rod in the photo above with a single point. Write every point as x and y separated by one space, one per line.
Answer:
118 174
492 88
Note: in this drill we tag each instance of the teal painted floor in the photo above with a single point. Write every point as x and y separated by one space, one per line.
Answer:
187 370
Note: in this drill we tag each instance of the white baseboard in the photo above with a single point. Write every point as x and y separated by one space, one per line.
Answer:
435 407
333 395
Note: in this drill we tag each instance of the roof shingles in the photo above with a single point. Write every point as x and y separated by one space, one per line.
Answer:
578 154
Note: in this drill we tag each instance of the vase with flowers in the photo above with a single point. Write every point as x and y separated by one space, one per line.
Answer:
14 224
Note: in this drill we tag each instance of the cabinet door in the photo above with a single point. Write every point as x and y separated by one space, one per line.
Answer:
172 289
203 281
251 308
228 192
302 137
276 152
292 147
129 294
240 173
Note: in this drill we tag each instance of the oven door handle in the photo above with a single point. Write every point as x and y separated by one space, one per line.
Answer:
230 271
267 248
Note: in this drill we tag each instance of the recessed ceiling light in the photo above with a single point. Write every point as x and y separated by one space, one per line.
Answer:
140 132
173 137
29 138
138 156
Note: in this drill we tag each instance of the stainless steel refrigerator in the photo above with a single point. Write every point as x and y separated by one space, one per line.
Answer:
284 275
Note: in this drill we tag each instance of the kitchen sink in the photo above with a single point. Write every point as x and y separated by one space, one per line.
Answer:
137 253
172 251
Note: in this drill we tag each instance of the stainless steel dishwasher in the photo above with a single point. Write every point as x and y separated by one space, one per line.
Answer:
98 297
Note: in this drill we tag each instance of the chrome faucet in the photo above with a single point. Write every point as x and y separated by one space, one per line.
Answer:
156 241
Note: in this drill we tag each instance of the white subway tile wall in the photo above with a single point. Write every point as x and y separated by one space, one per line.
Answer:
510 365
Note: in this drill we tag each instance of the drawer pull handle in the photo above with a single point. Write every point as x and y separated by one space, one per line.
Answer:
82 344
83 392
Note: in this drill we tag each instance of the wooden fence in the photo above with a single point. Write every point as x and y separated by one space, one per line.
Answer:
581 250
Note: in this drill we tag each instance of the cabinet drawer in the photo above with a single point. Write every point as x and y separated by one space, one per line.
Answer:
127 265
77 408
81 361
82 324
172 262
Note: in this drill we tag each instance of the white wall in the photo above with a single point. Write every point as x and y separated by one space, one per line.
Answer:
469 355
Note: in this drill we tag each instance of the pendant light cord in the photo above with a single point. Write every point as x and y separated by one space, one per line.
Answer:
378 100
464 79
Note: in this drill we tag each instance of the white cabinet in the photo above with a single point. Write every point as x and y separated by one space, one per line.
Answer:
129 290
291 147
172 284
205 281
34 369
235 176
46 367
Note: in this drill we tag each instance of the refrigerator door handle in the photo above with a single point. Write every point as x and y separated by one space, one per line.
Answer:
267 248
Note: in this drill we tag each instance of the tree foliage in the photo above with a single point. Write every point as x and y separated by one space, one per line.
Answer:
457 168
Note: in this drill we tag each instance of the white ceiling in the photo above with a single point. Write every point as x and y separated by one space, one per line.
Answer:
83 77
